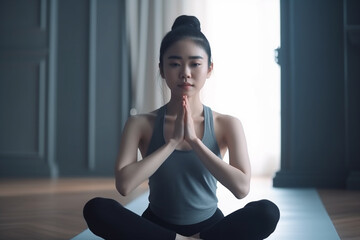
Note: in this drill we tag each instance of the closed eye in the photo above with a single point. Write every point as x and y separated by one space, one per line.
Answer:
195 64
174 64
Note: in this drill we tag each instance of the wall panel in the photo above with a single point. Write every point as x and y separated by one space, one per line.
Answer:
24 68
64 87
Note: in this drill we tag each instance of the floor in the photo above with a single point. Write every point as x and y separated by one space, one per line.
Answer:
43 209
51 210
343 208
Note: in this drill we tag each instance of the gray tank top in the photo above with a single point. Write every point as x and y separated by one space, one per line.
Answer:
182 190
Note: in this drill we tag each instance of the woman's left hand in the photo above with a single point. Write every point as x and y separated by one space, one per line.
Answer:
189 129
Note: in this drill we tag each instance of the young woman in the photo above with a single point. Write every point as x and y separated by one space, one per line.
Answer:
182 144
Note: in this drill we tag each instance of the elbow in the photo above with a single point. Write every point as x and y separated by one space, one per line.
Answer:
122 189
122 186
241 192
240 195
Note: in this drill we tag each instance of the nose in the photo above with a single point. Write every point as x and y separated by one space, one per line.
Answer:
185 73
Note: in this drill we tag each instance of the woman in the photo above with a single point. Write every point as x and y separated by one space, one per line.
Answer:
182 144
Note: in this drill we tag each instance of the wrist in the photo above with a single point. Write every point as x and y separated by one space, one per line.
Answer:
194 142
173 142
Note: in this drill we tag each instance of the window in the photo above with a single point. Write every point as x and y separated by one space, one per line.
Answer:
246 79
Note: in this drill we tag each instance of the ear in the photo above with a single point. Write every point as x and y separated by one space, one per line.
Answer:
210 69
161 71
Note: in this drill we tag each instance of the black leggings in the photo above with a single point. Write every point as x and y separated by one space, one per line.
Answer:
110 220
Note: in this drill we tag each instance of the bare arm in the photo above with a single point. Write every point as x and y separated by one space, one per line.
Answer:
234 176
130 173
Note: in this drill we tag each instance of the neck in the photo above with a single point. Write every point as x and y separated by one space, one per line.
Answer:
195 105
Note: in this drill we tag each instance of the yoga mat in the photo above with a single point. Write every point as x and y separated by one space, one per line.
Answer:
303 215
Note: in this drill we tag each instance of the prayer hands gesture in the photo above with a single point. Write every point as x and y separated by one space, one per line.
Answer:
184 124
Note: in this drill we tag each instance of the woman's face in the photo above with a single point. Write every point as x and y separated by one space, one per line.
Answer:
185 68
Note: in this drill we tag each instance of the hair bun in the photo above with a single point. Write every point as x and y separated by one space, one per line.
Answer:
186 21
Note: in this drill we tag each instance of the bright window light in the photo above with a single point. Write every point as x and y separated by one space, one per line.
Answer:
246 80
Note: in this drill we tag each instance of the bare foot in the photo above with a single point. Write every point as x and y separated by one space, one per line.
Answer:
180 237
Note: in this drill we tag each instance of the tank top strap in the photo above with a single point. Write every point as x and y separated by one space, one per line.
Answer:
208 124
157 139
209 138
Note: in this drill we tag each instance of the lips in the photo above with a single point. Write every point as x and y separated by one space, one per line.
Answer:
185 85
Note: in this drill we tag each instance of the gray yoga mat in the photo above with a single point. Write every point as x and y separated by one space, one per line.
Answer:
303 215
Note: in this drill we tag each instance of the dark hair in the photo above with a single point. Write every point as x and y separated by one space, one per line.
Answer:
185 27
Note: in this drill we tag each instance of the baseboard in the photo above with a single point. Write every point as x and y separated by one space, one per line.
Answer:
292 179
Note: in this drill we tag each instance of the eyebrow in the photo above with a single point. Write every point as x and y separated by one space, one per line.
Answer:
190 57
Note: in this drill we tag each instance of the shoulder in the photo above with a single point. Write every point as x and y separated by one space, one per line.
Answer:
230 132
139 129
227 128
225 121
141 121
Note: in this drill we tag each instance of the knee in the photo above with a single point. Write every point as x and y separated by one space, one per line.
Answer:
91 207
97 206
269 213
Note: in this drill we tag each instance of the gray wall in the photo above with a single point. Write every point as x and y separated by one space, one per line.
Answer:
319 95
64 87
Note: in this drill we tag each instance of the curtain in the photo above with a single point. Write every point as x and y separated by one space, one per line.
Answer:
147 23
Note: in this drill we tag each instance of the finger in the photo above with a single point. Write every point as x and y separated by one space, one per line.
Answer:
182 111
185 103
188 109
